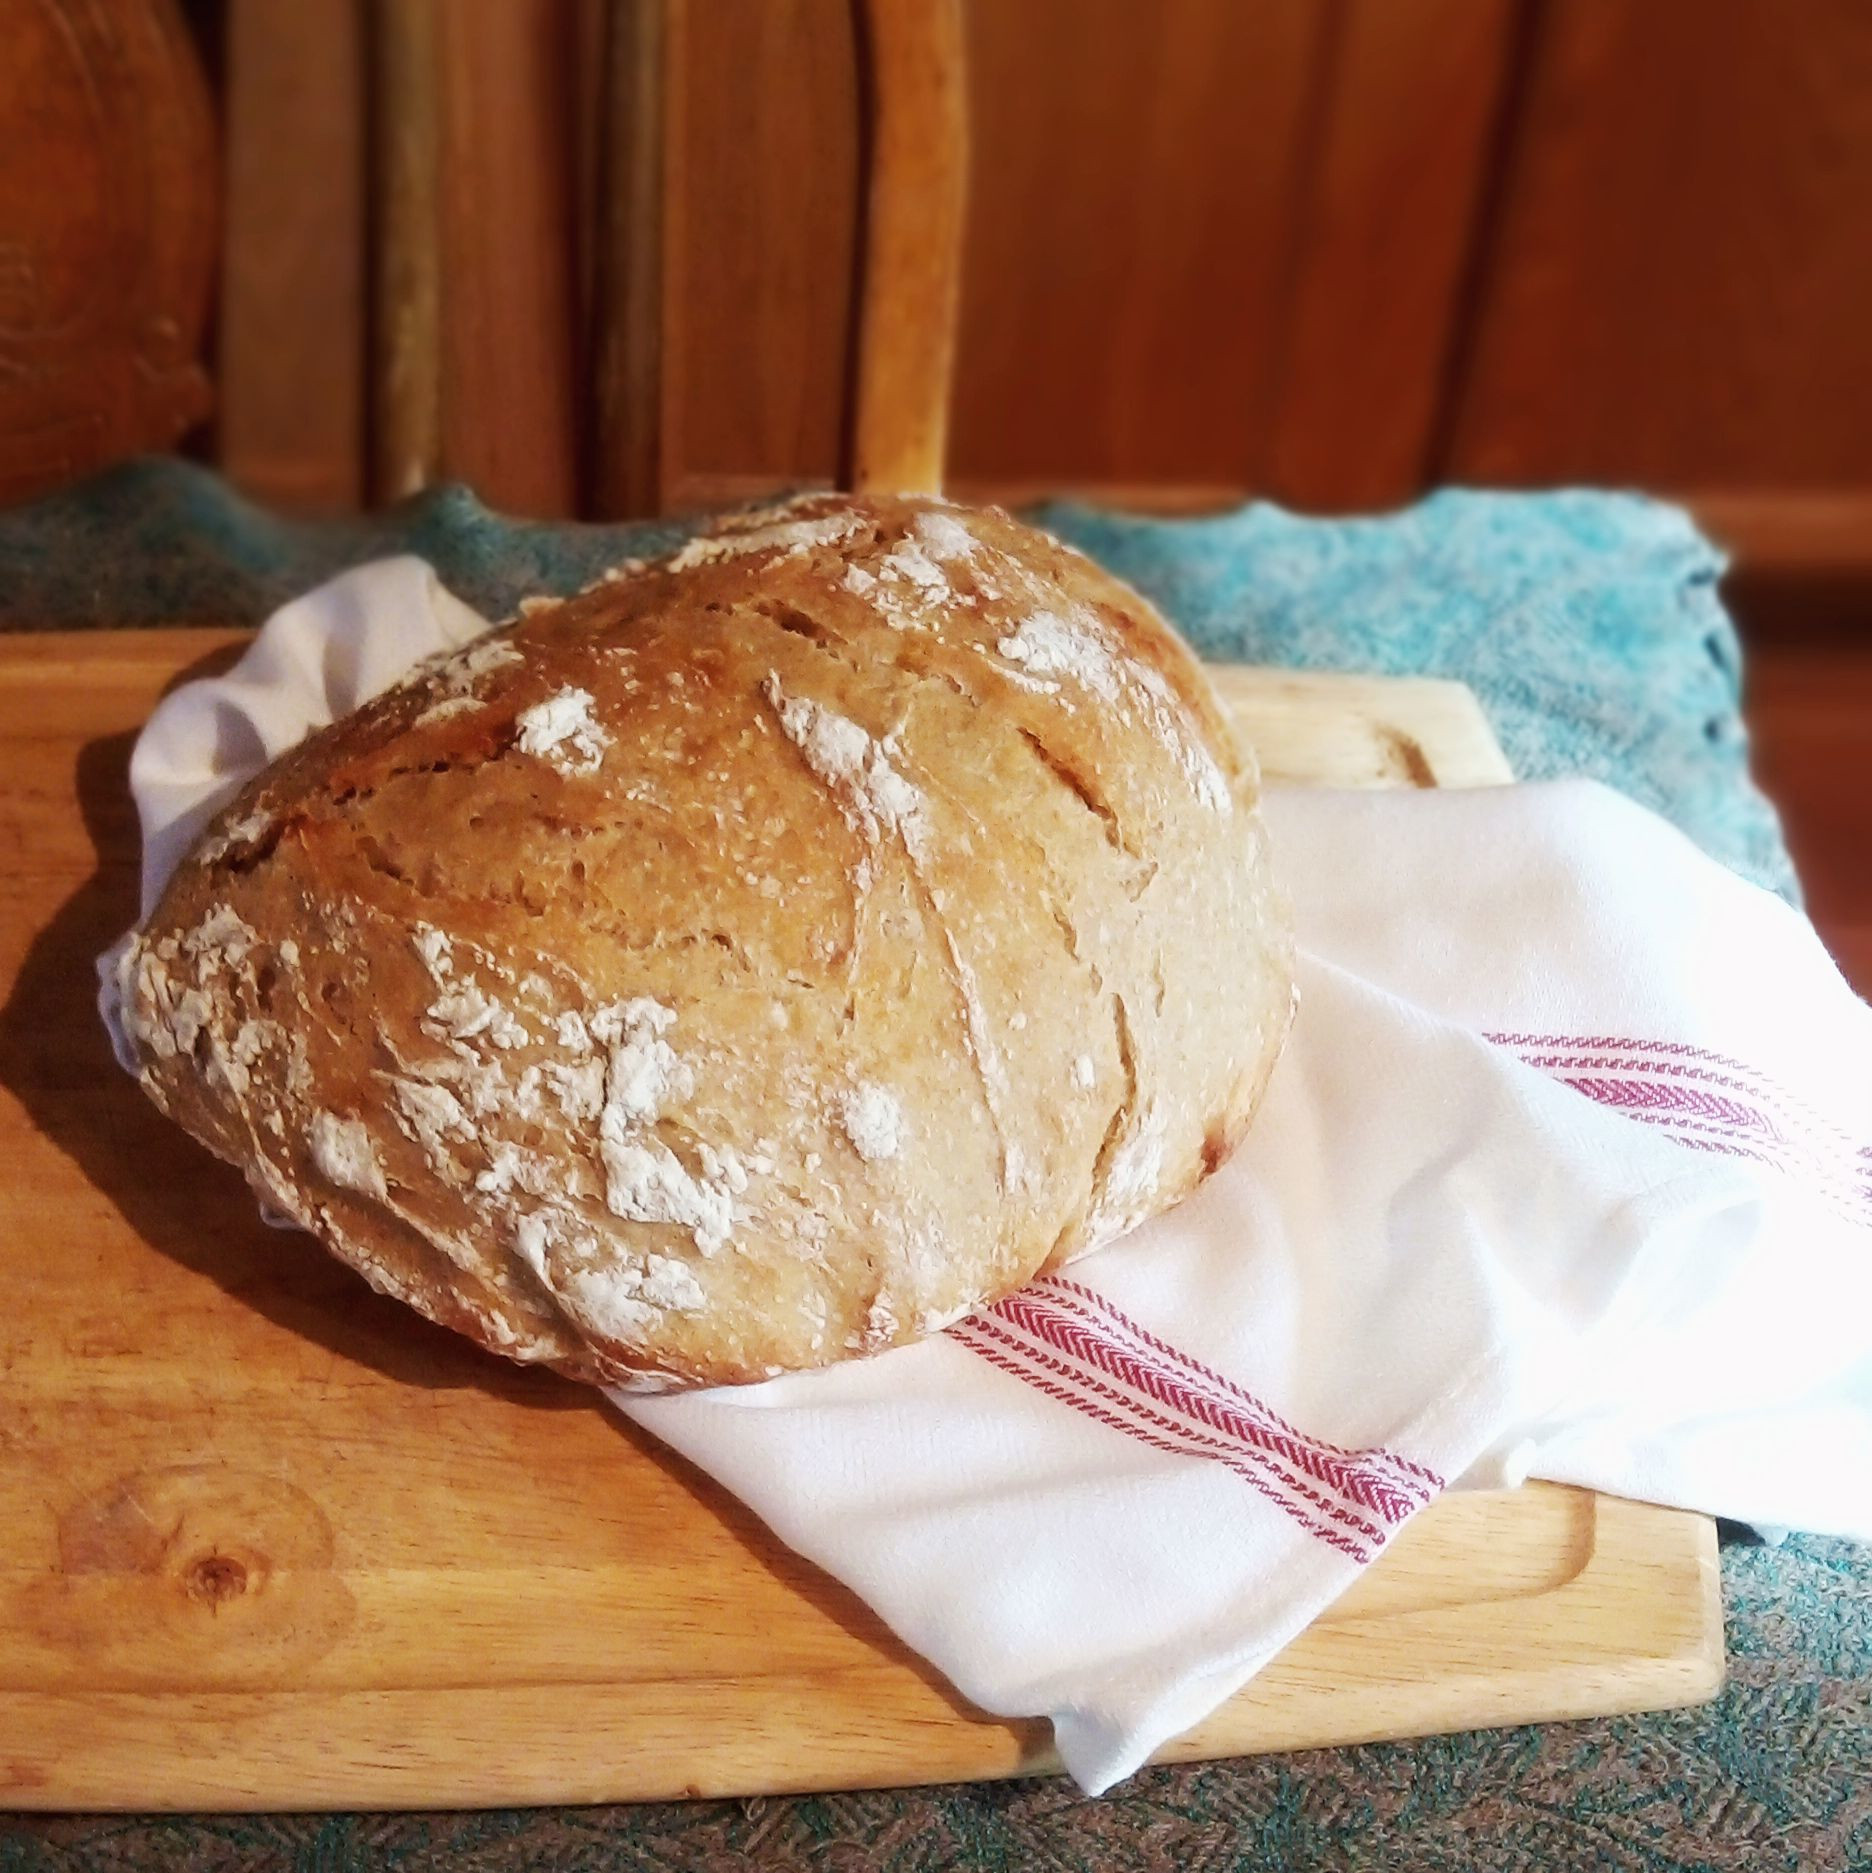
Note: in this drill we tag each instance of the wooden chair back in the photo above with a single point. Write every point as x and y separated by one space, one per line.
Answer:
911 244
915 143
107 260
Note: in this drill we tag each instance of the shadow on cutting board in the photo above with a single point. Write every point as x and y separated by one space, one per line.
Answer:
198 1213
182 1201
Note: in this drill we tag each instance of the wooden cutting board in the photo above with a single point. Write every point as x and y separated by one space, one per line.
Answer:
272 1541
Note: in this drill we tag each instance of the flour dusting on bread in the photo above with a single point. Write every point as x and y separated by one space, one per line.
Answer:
762 958
873 1121
563 730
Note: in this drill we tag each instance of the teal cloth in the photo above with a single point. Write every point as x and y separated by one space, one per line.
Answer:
1589 625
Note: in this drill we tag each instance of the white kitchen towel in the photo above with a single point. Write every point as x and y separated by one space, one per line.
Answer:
1566 1172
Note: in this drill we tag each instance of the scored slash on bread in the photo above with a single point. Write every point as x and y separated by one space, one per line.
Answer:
763 957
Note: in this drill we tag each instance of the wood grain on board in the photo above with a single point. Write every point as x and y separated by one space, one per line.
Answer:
274 1541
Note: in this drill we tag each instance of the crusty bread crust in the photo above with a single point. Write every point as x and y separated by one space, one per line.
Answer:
762 958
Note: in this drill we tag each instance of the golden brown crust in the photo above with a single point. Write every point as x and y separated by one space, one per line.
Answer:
760 958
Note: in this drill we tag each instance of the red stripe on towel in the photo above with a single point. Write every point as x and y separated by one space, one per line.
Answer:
1667 1058
1751 1117
984 1336
1060 1285
1357 1480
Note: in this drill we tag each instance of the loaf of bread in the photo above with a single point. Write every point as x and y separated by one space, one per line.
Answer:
765 957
